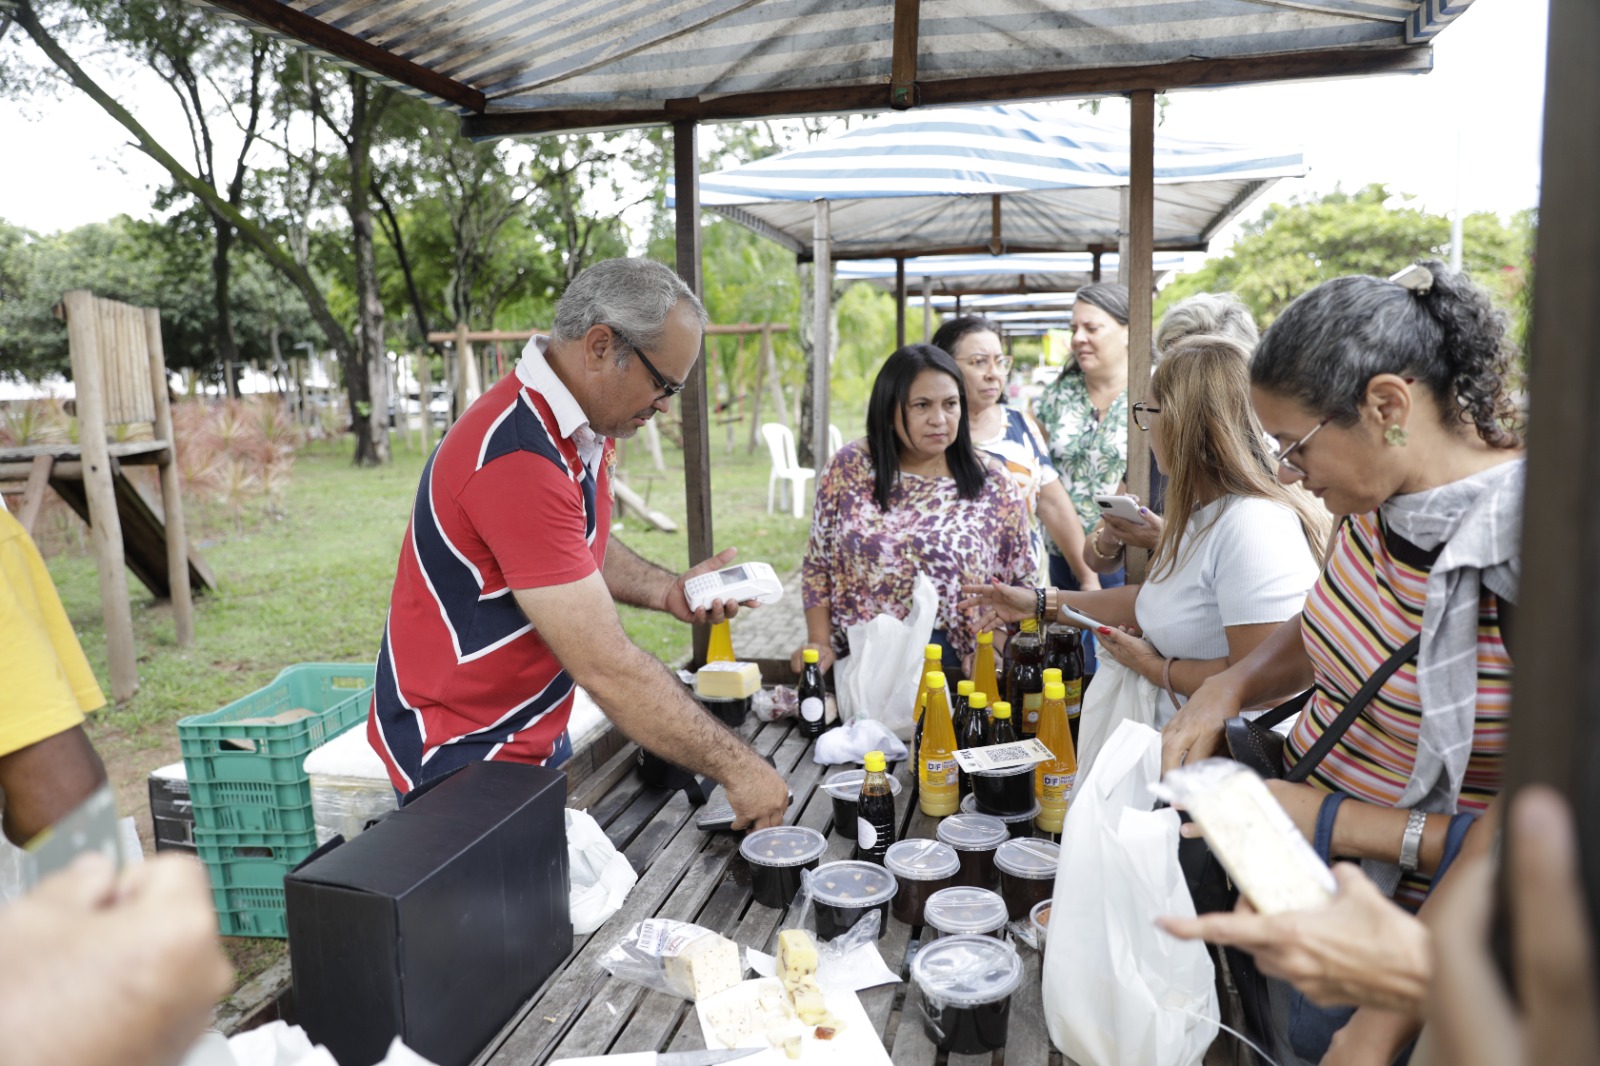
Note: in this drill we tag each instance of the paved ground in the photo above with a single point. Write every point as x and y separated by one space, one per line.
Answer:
775 631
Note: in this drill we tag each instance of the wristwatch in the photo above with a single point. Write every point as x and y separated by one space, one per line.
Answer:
1411 843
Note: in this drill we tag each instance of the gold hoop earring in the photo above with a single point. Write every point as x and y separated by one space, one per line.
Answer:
1395 436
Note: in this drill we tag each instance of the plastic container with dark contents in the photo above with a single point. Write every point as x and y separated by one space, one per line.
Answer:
1040 919
1027 873
964 986
1008 791
844 788
776 856
731 712
843 892
922 867
963 911
1018 825
974 836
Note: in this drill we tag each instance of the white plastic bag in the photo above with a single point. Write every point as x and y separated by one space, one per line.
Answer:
1117 695
1117 990
878 679
601 875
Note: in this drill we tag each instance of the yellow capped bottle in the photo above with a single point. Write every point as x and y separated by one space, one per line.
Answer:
940 792
1053 779
932 663
720 647
984 677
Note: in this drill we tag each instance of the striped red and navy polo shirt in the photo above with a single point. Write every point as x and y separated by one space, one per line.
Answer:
507 501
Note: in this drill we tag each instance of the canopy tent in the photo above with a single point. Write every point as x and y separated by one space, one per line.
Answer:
974 275
1012 178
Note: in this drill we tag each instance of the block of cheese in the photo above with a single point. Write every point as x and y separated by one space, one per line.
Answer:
807 998
751 1014
705 966
727 681
797 957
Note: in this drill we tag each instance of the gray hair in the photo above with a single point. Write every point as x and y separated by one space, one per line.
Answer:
1208 314
633 296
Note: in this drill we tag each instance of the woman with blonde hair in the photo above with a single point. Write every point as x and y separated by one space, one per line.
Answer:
1236 555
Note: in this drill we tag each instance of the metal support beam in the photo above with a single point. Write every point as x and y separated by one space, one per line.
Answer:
997 242
822 300
1136 265
1555 713
927 309
900 302
696 429
903 59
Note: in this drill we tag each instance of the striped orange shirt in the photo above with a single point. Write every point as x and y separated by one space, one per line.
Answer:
1366 605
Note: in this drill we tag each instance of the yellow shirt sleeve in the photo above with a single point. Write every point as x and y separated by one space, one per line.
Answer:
46 678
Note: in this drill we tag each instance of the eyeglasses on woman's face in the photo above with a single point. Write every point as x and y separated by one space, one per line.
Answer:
668 388
1141 414
981 363
1284 462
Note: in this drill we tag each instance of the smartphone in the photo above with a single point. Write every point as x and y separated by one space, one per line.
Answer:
1123 507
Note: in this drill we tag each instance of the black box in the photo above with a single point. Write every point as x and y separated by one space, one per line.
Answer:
438 922
171 811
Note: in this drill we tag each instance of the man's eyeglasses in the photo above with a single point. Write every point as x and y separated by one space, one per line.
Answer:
981 363
1141 412
668 388
1283 456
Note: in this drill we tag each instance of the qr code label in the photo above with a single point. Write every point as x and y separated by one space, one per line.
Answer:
1003 756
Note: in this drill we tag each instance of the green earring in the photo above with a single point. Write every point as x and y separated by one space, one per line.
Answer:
1395 436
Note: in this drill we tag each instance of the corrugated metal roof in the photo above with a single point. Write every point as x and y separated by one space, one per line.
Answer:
923 182
646 56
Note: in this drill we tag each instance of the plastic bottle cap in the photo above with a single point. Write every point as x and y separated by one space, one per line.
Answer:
809 655
1055 690
935 651
1030 625
936 679
978 700
875 762
1001 709
964 688
1052 674
986 637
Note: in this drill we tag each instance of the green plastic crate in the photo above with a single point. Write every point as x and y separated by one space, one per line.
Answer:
216 748
254 912
253 806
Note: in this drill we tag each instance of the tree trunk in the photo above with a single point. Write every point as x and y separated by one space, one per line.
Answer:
222 278
803 435
365 376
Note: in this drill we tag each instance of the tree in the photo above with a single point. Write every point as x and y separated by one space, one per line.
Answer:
1293 248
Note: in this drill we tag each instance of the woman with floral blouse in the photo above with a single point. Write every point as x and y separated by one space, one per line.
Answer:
914 497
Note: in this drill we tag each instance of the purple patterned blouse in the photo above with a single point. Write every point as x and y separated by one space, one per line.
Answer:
864 561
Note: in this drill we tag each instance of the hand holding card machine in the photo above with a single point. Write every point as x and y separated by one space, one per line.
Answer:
741 582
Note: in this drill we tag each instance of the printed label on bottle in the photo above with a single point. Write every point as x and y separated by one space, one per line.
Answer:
866 835
811 709
1074 694
1059 784
938 772
1030 707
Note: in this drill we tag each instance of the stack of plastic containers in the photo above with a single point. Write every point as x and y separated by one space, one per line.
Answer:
252 800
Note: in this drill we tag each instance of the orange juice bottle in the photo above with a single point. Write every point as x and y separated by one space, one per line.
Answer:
984 677
932 663
720 647
940 791
1053 779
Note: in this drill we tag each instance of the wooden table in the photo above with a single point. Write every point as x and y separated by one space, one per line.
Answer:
690 875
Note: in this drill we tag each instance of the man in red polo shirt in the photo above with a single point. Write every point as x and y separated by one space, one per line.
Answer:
506 592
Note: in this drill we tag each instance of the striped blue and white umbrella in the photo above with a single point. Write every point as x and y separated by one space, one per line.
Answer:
926 182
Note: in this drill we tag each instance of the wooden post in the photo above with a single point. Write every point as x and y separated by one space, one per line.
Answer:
1555 713
927 309
33 495
755 393
1136 266
105 532
696 438
424 397
900 301
171 488
1124 220
822 282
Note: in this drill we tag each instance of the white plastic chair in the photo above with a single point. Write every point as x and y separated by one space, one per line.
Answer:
835 440
786 466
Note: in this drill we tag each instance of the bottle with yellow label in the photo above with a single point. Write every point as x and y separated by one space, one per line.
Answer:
1053 779
940 791
985 678
1025 676
719 649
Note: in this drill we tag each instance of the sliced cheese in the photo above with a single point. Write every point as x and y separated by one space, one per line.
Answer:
808 1004
706 965
797 957
727 681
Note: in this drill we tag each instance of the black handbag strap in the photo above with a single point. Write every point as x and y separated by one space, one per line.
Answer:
1352 710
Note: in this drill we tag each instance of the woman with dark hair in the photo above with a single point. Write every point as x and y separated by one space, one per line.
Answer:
1084 415
914 497
1012 437
1389 401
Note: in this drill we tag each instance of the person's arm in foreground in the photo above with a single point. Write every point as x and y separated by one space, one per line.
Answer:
1140 656
636 581
47 780
1010 603
579 622
1061 523
108 971
1277 669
